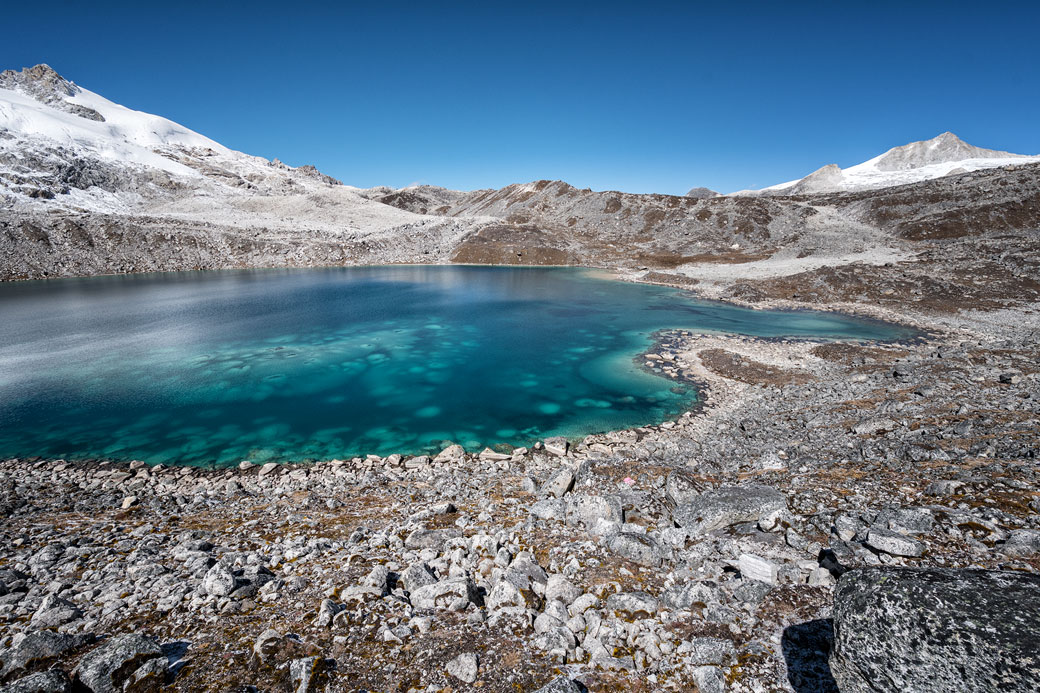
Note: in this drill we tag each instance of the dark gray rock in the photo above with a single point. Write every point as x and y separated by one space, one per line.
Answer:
38 648
560 685
728 505
53 681
109 667
936 630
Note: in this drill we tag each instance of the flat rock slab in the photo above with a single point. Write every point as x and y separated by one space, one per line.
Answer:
728 505
936 630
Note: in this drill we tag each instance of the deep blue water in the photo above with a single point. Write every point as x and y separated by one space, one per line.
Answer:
219 367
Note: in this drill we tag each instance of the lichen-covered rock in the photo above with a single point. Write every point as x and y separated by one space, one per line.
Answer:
53 681
107 668
306 673
635 604
560 685
727 506
587 510
638 548
936 630
681 487
452 593
38 648
55 611
894 543
415 576
464 667
219 581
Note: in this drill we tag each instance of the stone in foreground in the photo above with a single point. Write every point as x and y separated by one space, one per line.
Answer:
560 685
936 630
109 667
464 667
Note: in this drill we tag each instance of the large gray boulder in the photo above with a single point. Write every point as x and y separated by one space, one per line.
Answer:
109 667
37 649
936 630
451 593
638 548
728 505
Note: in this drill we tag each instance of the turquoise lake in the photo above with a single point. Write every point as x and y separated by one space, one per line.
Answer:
218 367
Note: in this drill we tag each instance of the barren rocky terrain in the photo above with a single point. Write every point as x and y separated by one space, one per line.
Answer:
702 554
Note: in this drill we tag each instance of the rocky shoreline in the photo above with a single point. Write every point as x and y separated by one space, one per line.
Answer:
702 552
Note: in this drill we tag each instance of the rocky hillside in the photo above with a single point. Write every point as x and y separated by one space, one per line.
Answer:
876 246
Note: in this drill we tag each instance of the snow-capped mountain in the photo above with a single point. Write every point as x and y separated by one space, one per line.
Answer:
911 163
76 149
69 153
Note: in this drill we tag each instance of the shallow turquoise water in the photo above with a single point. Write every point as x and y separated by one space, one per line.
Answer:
261 365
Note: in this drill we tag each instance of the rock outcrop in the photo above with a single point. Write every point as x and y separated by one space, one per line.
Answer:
936 630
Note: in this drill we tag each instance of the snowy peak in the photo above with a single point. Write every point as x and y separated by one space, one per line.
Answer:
41 80
45 85
940 156
945 148
62 145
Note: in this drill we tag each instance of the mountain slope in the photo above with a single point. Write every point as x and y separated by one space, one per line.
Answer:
76 168
910 163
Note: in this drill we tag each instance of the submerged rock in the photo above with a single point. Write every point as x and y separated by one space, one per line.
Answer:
936 630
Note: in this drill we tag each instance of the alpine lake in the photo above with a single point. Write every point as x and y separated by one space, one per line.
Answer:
212 368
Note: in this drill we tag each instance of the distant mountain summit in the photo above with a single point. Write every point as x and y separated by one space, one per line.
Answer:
701 193
945 148
909 163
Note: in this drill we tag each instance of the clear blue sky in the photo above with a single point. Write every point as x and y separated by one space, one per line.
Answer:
642 97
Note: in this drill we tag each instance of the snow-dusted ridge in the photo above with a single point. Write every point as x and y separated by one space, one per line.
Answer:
911 163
